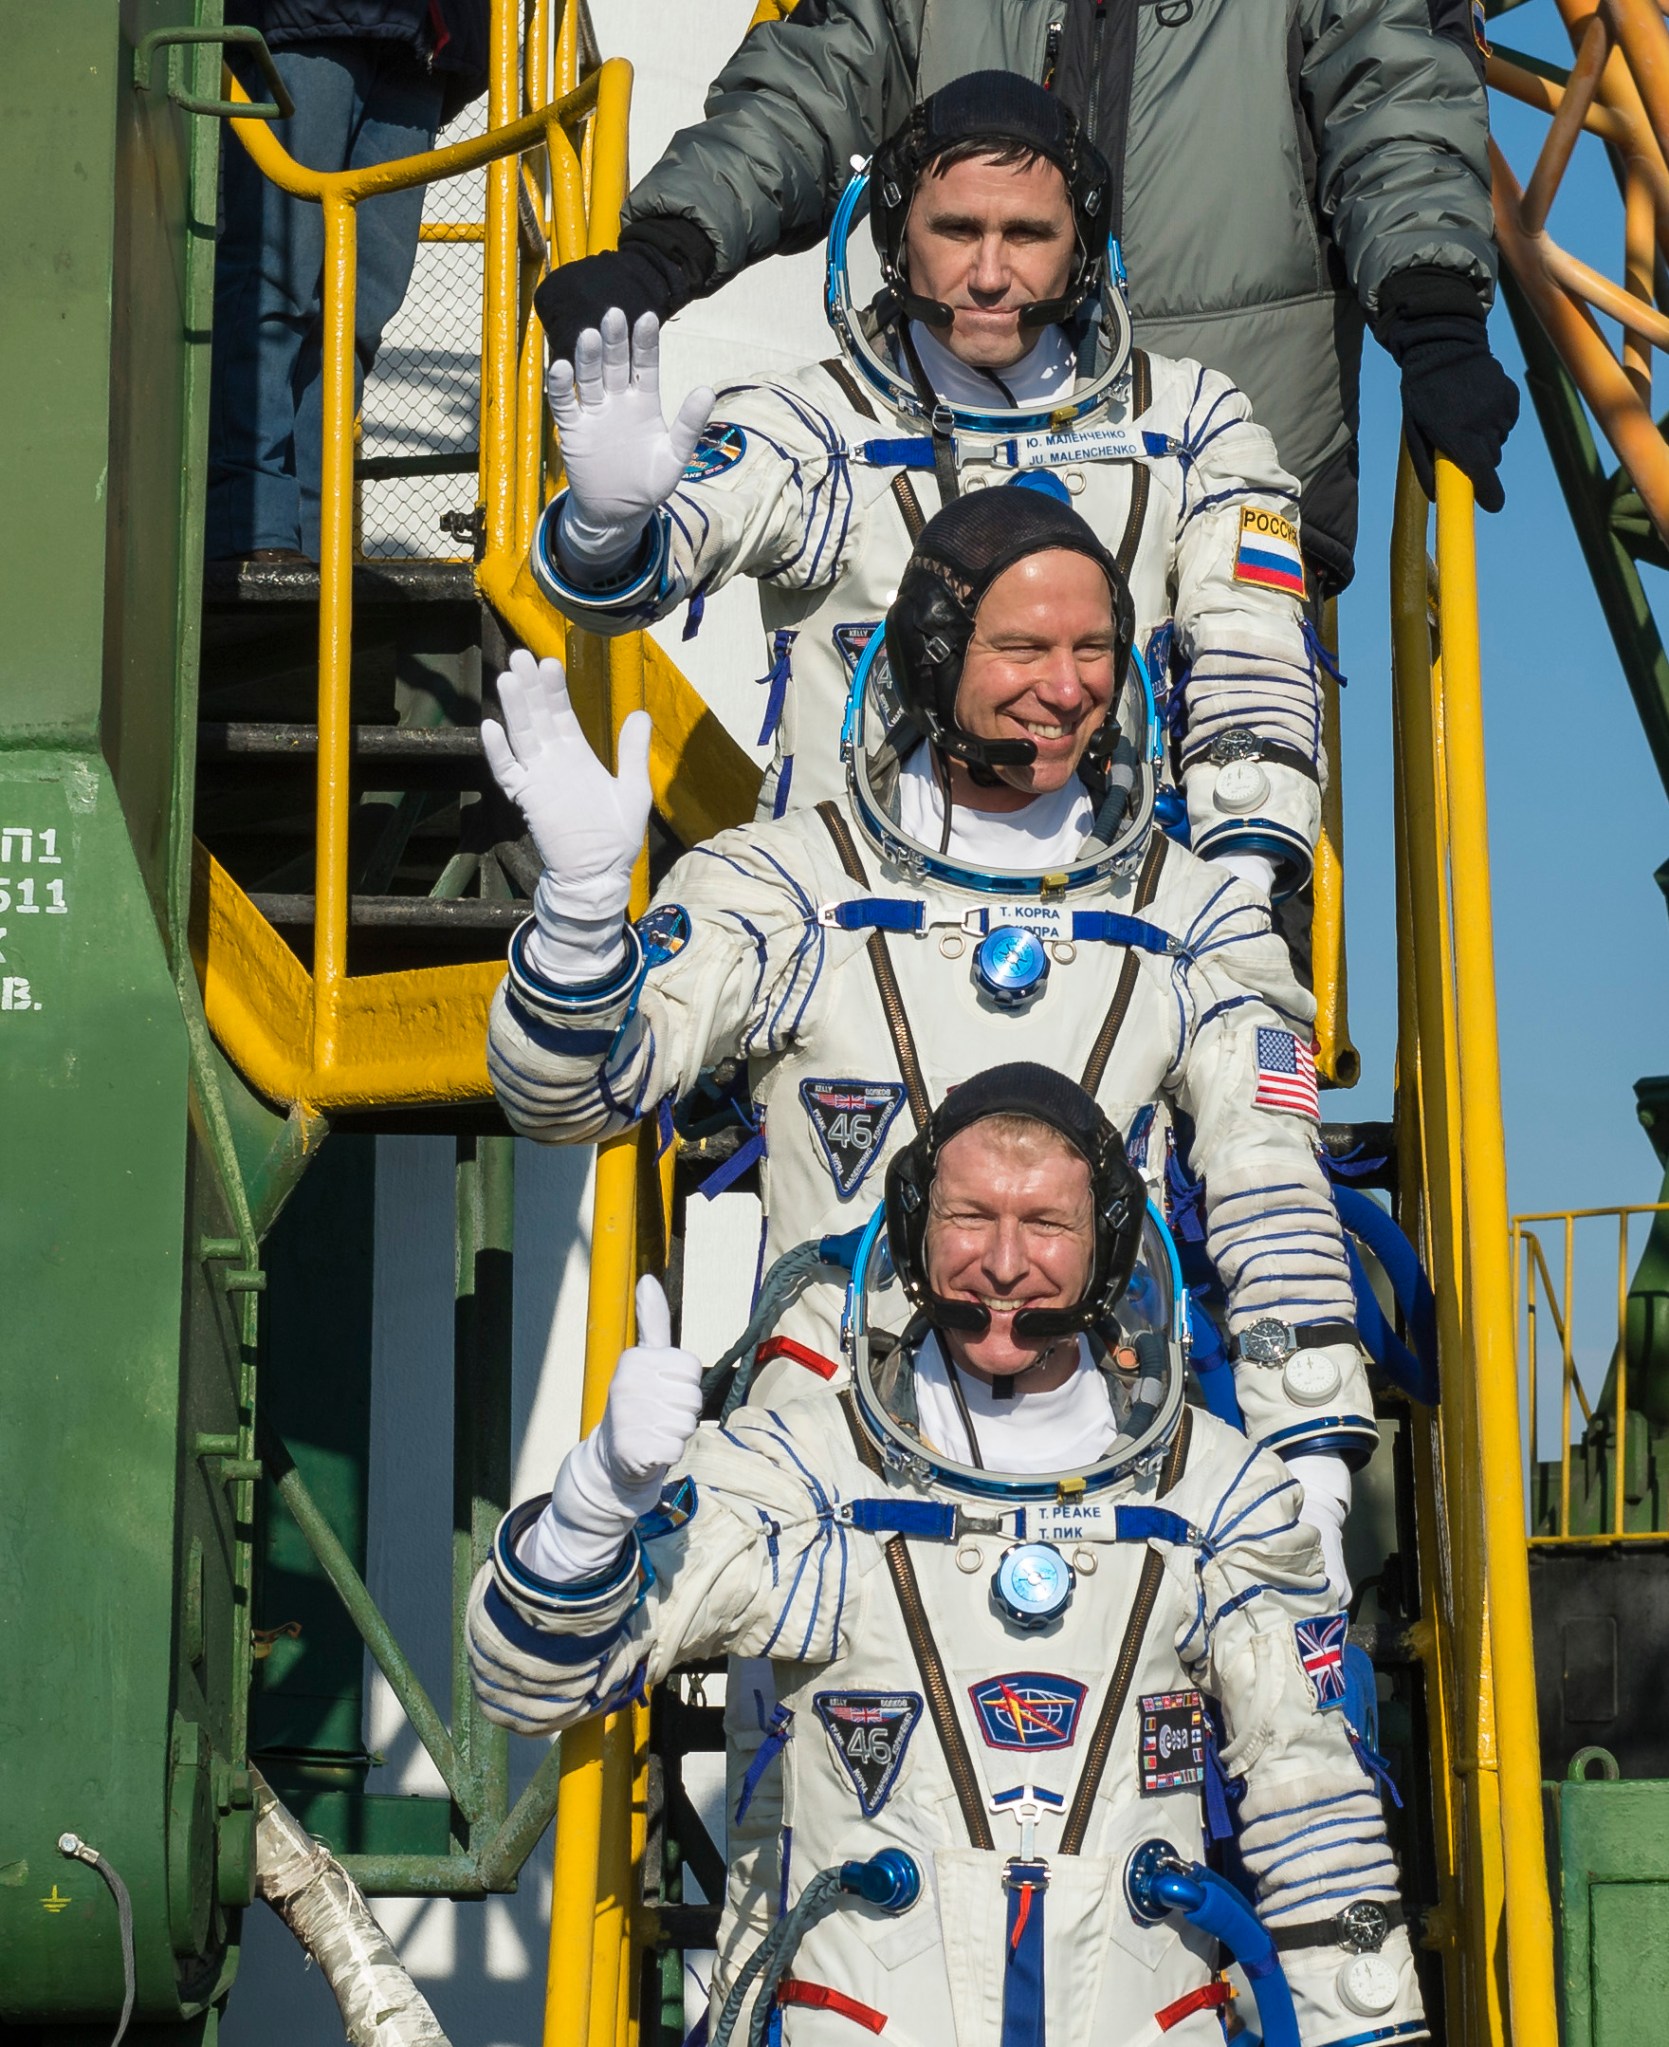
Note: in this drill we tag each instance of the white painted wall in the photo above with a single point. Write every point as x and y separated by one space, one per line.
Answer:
483 1966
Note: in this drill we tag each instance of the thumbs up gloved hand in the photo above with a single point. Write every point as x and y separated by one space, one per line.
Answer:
621 457
616 1474
587 824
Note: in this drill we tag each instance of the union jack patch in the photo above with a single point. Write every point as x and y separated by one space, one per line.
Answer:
1286 1074
1321 1651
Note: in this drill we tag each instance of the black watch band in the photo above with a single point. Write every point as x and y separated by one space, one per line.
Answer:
1241 744
1270 1341
1361 1928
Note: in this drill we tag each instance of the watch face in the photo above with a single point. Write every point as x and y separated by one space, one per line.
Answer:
1363 1927
1237 744
1268 1342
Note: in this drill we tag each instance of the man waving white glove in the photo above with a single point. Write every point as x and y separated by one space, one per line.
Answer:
587 824
616 1474
621 457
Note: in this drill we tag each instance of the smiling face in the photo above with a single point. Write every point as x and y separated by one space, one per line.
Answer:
1010 1225
1040 667
986 238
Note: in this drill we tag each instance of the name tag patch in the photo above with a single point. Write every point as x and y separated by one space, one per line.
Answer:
851 1119
720 448
1028 1709
851 642
1173 1742
870 1732
1267 551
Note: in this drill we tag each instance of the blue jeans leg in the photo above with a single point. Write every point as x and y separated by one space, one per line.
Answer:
356 103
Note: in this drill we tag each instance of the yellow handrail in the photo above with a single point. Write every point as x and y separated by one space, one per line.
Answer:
1470 1468
1528 1253
331 1040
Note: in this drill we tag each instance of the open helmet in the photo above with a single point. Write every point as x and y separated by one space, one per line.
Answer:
1006 111
1133 1310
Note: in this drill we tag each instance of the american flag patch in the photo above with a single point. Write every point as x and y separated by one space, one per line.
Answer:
1267 551
1286 1074
1321 1651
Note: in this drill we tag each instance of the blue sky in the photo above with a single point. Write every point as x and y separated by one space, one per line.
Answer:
1578 816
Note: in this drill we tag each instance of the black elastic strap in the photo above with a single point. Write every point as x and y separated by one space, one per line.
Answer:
930 1666
1308 1335
1124 1671
903 492
1267 750
1095 1066
886 981
1141 476
1334 1932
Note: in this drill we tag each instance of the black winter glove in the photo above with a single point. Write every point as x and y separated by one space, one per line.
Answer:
1456 398
660 265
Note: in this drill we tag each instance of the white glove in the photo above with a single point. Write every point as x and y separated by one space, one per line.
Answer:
587 824
616 1474
1249 867
1325 1480
621 457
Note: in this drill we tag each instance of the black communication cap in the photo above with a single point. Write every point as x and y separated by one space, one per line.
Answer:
960 553
995 107
1020 1088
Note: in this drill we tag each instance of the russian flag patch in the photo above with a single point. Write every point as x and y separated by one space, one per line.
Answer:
1267 551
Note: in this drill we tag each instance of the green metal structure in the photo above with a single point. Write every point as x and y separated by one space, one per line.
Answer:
182 1571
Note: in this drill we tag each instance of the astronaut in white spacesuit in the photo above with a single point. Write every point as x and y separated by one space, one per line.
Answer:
993 1578
998 352
992 880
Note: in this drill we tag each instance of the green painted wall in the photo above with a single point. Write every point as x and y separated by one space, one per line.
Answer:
125 1337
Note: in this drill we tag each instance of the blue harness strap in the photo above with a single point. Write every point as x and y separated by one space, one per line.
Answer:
782 647
879 913
1112 929
916 452
1023 2017
1151 1524
777 1737
931 1520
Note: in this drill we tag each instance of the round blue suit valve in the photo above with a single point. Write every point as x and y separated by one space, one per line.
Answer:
1033 1585
1011 965
891 1879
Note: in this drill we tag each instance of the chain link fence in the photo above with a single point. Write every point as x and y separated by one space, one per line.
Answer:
421 416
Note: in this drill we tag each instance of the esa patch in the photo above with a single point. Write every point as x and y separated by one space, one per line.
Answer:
870 1732
664 931
1321 1651
720 448
1028 1709
851 641
851 1119
1267 551
1173 1742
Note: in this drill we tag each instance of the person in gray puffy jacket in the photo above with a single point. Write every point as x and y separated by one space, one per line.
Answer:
1284 175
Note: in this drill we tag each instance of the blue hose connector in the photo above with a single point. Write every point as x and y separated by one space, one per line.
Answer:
1157 1881
890 1879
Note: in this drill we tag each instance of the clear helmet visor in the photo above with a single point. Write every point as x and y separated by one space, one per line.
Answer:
853 280
1121 771
1139 1354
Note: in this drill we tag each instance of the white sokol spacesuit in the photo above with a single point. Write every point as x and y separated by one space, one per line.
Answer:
989 1674
865 956
815 484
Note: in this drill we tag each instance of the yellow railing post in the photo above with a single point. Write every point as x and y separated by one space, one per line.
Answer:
1490 1310
330 886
